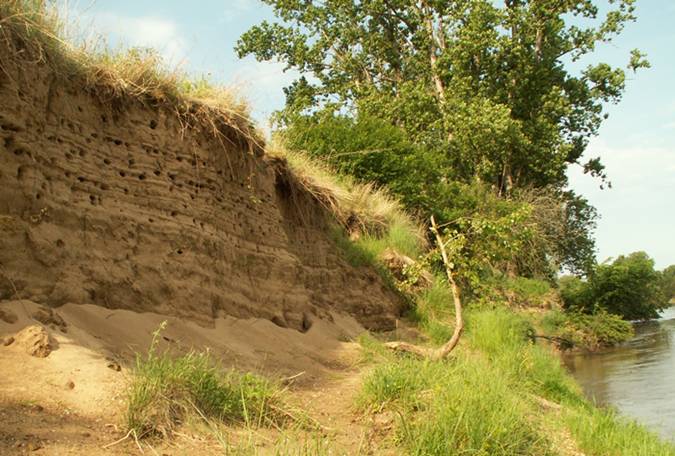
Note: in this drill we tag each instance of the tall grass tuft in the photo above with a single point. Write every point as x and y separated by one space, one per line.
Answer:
433 311
504 337
377 219
165 391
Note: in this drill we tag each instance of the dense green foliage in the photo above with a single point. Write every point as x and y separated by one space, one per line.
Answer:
668 282
629 287
541 230
439 100
587 331
481 84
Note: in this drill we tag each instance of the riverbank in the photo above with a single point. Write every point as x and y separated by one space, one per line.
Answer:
634 377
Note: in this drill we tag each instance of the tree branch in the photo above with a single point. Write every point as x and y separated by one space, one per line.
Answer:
443 351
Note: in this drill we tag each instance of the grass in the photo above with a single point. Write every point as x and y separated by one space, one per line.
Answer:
32 32
486 399
459 407
433 311
475 403
376 220
603 432
166 391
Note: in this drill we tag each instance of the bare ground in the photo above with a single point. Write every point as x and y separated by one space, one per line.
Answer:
72 400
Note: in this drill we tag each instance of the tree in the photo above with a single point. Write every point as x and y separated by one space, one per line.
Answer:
629 287
536 231
485 85
668 282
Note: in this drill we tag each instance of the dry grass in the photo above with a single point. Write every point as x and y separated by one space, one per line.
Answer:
32 32
362 209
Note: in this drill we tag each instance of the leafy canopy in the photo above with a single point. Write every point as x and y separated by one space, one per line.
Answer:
481 83
668 281
629 287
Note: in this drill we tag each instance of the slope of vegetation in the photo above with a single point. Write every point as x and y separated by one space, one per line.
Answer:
500 394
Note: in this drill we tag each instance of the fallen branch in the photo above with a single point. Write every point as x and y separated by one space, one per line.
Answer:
131 433
443 351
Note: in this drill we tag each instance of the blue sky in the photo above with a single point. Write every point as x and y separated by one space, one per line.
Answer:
637 142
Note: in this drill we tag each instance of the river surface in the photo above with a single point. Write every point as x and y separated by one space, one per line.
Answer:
637 377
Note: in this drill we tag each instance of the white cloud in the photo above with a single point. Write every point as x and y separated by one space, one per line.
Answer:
145 31
638 212
262 84
236 8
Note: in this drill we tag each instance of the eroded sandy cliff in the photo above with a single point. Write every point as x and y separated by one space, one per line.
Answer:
118 203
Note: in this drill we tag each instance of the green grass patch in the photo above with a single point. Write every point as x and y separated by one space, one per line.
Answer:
602 432
528 288
434 311
400 236
504 337
353 252
483 400
465 406
165 391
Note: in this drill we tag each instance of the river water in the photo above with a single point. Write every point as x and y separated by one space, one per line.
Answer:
637 377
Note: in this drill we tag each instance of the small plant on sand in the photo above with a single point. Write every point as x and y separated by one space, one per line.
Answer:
165 391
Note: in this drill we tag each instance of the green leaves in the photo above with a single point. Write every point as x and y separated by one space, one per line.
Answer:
433 98
638 60
629 287
485 84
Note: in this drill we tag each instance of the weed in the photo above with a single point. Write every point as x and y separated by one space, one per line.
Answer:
165 390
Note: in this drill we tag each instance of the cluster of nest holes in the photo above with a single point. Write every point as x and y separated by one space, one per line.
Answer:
75 128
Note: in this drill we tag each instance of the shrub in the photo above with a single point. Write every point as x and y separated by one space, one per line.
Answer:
589 331
629 288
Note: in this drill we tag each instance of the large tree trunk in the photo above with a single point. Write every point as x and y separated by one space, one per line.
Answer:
444 350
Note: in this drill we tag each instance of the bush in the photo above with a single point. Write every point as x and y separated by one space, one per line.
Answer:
629 288
591 332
